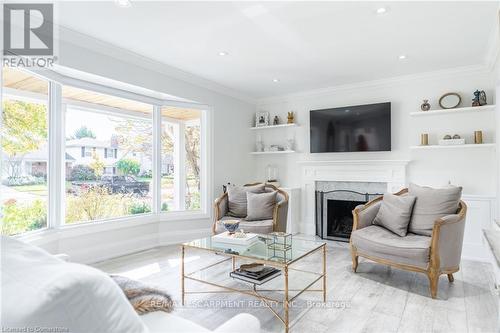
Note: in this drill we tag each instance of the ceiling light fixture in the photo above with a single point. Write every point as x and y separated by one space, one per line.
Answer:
381 10
276 80
402 57
123 3
222 53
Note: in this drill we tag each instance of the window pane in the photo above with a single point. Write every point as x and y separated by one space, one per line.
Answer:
168 193
180 183
24 152
109 156
193 158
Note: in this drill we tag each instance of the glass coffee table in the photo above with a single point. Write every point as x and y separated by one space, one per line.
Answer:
260 252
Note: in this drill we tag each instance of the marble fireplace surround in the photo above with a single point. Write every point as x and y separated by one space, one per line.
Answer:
314 173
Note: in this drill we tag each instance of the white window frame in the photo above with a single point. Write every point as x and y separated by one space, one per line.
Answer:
56 163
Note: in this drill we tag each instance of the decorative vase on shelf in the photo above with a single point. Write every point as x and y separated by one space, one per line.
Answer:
271 173
259 146
425 105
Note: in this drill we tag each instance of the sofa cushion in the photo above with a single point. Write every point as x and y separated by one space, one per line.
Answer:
160 322
45 291
378 242
257 227
237 198
260 206
395 213
432 204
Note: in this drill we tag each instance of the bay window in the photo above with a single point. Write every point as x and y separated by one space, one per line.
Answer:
111 154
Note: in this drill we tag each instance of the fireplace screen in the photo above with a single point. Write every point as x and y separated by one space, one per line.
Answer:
334 212
339 215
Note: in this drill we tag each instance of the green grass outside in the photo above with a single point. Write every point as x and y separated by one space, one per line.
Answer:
35 189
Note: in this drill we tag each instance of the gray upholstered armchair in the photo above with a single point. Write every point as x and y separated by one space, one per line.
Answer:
277 223
432 255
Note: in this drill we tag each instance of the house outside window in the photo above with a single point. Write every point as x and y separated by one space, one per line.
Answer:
111 167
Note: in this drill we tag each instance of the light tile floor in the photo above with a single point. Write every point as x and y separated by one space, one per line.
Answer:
376 299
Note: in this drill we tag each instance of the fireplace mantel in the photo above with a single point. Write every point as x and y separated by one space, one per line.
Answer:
391 172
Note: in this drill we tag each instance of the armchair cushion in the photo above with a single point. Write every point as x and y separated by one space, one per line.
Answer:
432 204
237 198
380 243
260 206
395 213
258 227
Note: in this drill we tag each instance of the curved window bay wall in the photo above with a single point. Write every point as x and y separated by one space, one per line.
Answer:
109 166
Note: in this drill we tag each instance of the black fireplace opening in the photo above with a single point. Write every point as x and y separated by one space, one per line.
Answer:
339 218
334 212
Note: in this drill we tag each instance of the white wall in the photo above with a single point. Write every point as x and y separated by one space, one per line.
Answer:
474 169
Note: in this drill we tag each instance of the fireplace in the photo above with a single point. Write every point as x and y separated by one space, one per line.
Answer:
362 176
334 212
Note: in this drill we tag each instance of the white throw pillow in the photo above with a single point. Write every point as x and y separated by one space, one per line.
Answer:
40 290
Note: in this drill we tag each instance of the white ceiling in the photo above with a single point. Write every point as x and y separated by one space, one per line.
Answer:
307 45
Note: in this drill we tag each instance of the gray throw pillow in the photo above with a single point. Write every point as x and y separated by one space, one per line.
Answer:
395 213
237 198
260 206
432 204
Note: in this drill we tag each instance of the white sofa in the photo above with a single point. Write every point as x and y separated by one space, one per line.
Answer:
39 290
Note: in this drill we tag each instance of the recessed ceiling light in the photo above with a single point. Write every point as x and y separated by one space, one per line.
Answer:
222 53
402 57
123 3
276 80
381 10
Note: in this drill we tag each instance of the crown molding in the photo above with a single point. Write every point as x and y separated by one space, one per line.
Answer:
493 50
99 46
373 84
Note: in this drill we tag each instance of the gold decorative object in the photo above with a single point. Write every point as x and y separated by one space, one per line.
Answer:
291 118
478 137
424 139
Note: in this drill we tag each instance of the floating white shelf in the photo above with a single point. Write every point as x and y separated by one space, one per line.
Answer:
453 111
466 146
273 152
274 126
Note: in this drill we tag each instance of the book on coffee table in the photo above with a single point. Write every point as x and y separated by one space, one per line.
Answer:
235 238
263 276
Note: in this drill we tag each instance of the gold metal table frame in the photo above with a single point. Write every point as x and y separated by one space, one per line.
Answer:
255 292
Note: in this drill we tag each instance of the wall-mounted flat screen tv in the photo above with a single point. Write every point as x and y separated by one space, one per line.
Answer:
351 129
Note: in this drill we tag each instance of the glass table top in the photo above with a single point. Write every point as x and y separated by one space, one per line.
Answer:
261 249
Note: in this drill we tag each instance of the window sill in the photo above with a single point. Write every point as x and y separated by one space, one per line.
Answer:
183 215
84 228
